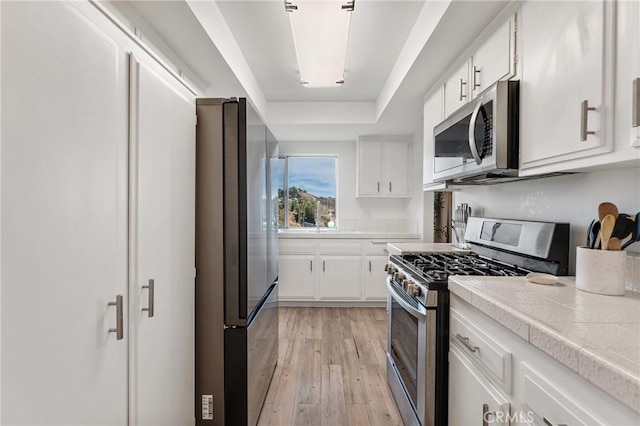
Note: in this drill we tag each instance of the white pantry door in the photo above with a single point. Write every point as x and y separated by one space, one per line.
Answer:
64 218
162 185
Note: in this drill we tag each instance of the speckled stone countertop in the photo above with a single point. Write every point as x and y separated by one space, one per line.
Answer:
596 336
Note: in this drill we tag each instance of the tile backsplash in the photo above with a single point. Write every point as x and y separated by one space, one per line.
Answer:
633 272
569 198
379 225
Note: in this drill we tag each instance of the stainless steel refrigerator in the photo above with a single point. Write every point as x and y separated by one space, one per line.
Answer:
236 262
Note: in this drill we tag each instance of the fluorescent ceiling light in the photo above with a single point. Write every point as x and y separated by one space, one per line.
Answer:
320 33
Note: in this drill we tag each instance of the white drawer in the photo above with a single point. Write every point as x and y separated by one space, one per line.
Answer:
486 353
291 246
547 404
340 247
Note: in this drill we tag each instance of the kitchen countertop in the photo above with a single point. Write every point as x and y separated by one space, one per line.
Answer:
596 336
417 247
347 234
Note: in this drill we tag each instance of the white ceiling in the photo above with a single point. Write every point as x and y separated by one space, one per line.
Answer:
397 51
377 33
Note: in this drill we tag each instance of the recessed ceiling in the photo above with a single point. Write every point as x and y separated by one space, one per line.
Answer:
378 31
398 50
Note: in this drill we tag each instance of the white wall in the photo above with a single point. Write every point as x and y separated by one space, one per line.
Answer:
570 198
370 214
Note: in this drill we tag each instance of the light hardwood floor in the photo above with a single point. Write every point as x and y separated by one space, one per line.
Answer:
331 370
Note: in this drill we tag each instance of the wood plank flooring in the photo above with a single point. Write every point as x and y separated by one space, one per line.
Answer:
331 370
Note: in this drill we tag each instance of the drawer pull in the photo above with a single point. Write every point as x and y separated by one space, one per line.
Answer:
465 341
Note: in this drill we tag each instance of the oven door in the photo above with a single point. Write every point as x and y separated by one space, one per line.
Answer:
464 142
411 352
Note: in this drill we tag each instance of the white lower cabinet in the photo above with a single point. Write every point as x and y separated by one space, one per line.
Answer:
375 277
332 270
339 277
473 399
296 280
538 390
545 403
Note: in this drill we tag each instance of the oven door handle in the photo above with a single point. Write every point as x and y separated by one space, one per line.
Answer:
472 133
420 313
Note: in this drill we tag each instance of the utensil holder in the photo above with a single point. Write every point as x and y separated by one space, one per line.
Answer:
459 229
601 271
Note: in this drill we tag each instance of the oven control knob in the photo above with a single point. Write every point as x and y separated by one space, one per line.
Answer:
390 269
414 290
398 277
406 284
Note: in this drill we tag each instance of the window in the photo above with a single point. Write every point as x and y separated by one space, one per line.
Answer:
310 198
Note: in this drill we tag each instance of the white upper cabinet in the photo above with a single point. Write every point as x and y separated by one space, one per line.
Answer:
383 166
432 116
456 90
565 89
494 59
627 119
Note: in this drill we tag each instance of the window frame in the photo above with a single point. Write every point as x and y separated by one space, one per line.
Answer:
285 172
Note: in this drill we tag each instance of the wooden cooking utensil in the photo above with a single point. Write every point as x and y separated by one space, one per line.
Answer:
614 243
608 222
607 208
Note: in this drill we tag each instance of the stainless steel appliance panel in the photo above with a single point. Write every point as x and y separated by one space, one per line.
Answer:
481 138
275 185
236 303
235 214
209 259
251 354
256 194
412 352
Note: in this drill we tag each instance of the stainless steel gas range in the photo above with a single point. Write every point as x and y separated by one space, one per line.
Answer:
418 303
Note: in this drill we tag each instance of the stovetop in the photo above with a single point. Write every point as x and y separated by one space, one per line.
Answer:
431 270
438 266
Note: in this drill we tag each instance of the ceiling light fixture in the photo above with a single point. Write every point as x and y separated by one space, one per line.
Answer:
320 33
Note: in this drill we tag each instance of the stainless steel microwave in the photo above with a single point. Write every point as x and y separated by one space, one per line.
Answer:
479 142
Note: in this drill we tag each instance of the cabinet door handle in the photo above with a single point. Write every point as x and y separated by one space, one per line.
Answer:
584 109
323 266
548 423
151 287
486 415
311 265
476 71
378 186
369 266
390 187
119 330
636 103
465 341
462 95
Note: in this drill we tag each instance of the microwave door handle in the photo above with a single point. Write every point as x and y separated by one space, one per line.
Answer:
472 133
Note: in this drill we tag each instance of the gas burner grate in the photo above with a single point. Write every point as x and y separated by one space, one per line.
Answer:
436 267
